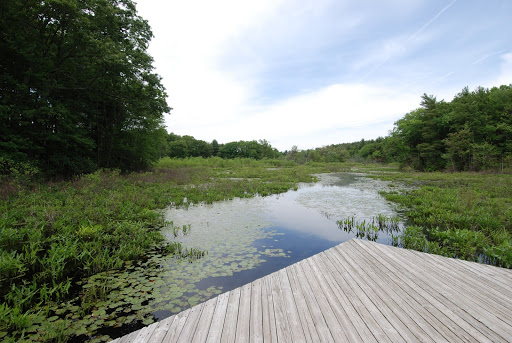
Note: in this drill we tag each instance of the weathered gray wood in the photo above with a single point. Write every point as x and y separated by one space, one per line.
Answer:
435 298
317 317
128 338
449 269
256 321
329 316
190 324
358 291
444 320
218 317
267 305
244 315
161 329
354 320
145 333
230 322
410 325
204 322
381 280
175 330
282 326
471 310
302 307
291 308
375 308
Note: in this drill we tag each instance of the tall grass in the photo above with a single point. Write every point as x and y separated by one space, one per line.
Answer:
464 215
54 234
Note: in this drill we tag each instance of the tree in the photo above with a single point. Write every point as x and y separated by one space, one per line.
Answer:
77 91
215 148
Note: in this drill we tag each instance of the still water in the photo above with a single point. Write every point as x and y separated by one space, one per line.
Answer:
250 238
245 239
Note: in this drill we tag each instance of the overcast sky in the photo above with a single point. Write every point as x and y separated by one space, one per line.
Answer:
317 72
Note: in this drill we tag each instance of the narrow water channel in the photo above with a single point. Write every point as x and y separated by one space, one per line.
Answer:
250 238
245 239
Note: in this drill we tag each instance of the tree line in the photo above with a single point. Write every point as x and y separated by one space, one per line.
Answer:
187 146
78 93
470 133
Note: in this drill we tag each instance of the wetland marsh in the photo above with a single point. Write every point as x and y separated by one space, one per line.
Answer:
101 256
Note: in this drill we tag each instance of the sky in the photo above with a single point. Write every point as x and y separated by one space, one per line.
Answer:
312 73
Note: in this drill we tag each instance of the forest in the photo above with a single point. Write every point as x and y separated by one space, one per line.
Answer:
77 88
78 93
473 132
87 165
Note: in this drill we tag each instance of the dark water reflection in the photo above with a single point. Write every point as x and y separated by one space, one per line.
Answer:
246 239
261 235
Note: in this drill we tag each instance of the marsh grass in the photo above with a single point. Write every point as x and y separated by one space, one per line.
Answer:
52 235
463 215
370 229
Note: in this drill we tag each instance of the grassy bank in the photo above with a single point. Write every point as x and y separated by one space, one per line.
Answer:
463 215
54 234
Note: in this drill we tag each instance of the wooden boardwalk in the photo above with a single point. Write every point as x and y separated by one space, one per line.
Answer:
358 291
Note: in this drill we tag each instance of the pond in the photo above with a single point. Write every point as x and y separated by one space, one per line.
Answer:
245 239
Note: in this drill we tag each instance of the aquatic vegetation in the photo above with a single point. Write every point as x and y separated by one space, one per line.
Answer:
54 235
463 215
370 229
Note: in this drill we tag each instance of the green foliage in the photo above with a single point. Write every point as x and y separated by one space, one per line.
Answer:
77 90
464 215
53 235
472 132
188 146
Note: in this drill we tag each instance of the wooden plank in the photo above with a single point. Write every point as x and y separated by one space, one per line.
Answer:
218 317
451 315
174 331
355 321
256 321
400 292
386 323
330 299
377 283
471 310
323 331
204 322
145 333
267 305
291 308
161 329
497 277
440 317
189 328
358 291
305 317
407 328
332 264
336 329
282 327
500 275
486 290
229 330
128 338
244 314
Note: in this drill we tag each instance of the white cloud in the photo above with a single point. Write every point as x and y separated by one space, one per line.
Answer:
326 116
216 57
